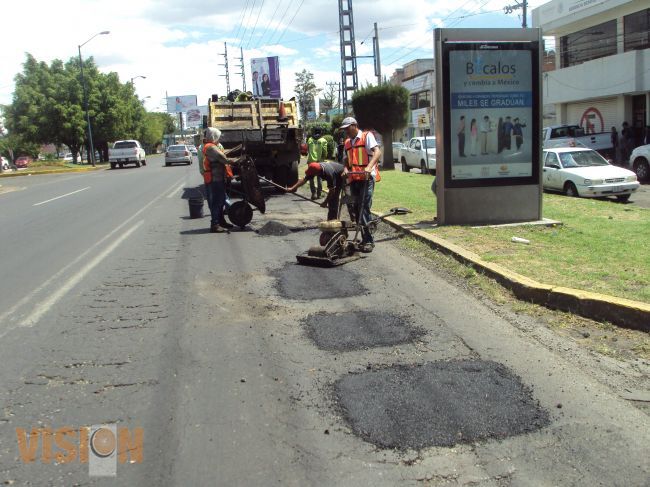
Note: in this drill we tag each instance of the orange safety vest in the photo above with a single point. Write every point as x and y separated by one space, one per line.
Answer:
207 171
358 158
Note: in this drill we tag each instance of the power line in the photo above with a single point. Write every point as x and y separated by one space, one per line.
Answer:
278 26
277 6
241 21
255 26
291 21
250 16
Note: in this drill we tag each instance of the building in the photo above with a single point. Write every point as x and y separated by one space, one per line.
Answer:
602 63
418 77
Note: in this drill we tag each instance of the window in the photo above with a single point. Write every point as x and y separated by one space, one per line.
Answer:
413 102
412 144
124 145
592 43
418 146
636 28
423 100
551 159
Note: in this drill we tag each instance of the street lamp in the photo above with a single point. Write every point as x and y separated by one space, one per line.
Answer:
136 77
91 153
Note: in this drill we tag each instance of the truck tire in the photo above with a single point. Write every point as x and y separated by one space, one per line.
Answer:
405 168
281 175
121 165
423 167
137 163
293 174
113 165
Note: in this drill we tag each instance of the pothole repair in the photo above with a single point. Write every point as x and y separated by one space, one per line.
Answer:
300 282
357 330
275 229
438 404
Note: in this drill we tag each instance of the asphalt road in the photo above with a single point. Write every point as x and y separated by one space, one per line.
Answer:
243 368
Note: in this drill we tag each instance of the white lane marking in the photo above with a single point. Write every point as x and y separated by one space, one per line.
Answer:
45 306
56 276
62 196
175 190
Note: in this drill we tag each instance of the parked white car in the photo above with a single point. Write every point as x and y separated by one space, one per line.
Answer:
4 163
415 155
640 162
577 171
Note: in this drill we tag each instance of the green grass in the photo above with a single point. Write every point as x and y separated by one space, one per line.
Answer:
602 246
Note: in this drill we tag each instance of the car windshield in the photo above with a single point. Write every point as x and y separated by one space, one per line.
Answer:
581 159
124 145
177 147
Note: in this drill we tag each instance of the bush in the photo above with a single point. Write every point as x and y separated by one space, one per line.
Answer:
325 128
331 146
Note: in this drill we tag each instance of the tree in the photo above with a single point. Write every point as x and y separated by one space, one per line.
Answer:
330 98
306 91
383 108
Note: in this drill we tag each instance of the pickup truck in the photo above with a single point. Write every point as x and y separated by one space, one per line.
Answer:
420 152
574 134
126 152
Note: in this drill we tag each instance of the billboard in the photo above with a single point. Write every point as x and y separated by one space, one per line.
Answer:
195 115
491 120
265 73
176 104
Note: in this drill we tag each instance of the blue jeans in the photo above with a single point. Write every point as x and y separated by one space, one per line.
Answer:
356 190
216 194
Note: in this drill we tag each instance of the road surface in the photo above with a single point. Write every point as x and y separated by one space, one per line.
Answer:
243 368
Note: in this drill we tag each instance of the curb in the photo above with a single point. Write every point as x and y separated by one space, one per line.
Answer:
618 311
49 171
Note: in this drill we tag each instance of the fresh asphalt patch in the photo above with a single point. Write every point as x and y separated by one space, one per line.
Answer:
437 404
301 282
359 330
275 229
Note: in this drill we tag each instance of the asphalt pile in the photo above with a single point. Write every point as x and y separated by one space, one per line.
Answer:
437 404
359 330
275 229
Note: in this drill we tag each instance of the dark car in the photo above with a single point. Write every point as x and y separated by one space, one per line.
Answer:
23 162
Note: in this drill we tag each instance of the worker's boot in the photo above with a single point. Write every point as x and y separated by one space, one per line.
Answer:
217 229
223 223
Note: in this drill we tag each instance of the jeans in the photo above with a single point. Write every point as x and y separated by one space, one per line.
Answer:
333 203
356 190
216 194
312 186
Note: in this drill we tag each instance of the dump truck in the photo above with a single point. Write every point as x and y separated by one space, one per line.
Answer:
267 129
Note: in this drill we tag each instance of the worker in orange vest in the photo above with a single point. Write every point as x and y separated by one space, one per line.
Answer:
216 169
361 161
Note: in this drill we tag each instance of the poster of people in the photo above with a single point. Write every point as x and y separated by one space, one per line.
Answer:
491 101
265 74
176 104
195 114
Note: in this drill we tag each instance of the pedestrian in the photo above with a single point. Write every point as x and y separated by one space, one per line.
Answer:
484 129
316 152
518 132
461 136
333 174
473 137
507 134
626 142
614 141
216 168
361 159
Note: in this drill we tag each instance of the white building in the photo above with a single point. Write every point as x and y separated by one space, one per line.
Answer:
418 78
602 56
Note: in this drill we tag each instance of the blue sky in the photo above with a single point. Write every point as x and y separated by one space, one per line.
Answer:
177 45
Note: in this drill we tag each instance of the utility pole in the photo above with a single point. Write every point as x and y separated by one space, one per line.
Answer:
349 83
508 9
241 60
375 48
227 75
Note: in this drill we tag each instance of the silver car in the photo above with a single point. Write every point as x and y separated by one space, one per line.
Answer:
178 153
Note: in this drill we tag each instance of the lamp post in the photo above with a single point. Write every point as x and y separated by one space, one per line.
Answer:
91 151
136 77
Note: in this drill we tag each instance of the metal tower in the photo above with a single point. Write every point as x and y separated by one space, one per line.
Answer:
227 75
349 83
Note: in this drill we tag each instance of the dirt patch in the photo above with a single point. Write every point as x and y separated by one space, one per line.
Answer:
358 330
438 404
274 229
300 282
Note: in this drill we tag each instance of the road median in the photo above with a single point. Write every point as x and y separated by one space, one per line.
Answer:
35 172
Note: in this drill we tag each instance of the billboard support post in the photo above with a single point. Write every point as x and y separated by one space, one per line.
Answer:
488 126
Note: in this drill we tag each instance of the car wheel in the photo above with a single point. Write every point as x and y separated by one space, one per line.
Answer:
623 197
570 189
121 166
423 167
642 169
405 168
113 165
167 164
137 163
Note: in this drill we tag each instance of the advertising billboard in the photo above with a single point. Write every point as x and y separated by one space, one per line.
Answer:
265 75
195 114
492 117
176 104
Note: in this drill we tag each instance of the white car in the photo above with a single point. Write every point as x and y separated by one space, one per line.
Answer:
178 153
415 155
4 164
577 171
640 162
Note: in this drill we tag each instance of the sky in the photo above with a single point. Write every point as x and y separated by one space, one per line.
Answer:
178 45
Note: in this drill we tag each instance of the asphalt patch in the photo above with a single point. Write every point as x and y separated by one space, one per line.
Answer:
358 330
301 282
438 404
274 228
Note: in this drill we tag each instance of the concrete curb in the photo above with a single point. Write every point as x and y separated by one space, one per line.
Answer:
49 171
601 307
